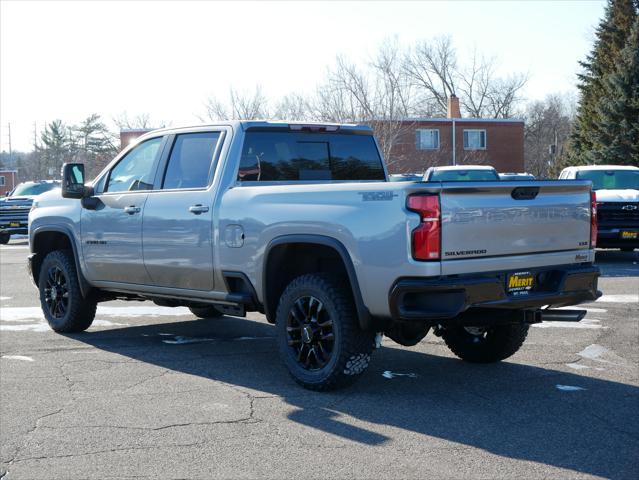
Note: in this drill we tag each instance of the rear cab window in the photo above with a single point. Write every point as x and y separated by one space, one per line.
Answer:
269 156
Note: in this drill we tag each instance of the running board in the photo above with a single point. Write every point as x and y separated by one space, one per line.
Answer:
549 315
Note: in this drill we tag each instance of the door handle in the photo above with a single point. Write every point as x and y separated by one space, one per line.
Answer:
131 209
197 209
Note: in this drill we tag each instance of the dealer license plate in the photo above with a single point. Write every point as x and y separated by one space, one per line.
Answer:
520 283
629 235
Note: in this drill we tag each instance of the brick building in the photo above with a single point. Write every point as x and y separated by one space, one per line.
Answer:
8 180
426 142
127 135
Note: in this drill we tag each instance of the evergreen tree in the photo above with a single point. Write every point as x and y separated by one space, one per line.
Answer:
54 149
611 36
93 144
616 137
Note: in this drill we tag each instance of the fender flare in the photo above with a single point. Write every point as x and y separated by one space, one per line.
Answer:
363 314
85 287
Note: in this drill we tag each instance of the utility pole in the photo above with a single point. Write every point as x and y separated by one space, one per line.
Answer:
10 151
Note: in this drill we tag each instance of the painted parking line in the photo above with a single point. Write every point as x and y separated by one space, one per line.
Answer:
626 298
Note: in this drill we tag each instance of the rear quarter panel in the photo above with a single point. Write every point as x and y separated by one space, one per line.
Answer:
368 218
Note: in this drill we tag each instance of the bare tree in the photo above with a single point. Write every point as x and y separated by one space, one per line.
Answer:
293 107
379 95
141 121
433 68
239 105
548 125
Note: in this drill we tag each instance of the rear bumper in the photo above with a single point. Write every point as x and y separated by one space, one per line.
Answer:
424 299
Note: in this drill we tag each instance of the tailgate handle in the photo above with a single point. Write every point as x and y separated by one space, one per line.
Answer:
525 193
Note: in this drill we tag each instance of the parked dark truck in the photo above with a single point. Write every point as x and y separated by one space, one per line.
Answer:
299 222
14 208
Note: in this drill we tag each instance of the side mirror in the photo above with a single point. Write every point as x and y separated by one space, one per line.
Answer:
73 180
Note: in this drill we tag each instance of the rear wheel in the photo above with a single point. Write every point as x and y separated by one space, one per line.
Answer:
485 344
63 305
4 238
318 333
206 312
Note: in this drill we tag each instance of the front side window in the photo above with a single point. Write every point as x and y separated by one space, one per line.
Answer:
428 139
190 161
282 156
474 139
135 171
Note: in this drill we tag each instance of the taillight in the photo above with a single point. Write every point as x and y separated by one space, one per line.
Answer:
427 237
593 219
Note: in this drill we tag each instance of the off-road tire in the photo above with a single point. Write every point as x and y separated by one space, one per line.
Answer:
206 312
79 311
498 343
4 238
351 347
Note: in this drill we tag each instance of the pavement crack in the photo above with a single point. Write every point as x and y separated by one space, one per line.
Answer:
110 450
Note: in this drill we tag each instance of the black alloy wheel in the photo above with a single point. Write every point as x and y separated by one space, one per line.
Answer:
65 307
309 329
56 292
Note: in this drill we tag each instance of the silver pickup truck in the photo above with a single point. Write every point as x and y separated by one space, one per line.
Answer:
298 221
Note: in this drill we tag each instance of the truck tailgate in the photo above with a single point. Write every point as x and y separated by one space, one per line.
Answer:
491 219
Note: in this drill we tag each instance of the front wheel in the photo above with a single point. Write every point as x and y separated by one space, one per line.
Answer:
4 238
63 305
318 333
485 344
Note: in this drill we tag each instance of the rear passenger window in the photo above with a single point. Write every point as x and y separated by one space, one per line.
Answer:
189 165
281 156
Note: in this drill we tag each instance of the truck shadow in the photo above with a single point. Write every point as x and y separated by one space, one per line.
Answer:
615 263
508 409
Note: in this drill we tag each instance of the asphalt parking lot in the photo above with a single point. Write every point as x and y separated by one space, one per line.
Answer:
153 392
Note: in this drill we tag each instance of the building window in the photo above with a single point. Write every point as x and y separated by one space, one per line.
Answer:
2 184
428 139
474 139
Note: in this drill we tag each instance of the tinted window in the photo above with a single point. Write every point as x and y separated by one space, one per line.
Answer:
135 170
273 156
611 179
190 161
463 175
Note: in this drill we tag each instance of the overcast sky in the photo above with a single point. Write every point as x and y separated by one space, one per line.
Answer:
69 59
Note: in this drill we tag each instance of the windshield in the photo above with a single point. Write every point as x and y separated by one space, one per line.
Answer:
463 175
32 189
611 179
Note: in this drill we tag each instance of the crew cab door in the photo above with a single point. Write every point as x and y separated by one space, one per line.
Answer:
178 219
112 231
